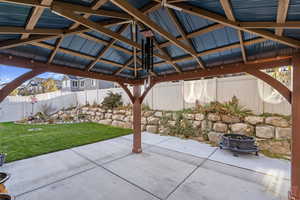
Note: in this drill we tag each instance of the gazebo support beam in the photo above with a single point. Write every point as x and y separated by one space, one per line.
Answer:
10 87
137 99
137 116
295 163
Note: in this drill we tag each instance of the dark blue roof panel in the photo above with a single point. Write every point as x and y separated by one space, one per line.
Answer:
251 10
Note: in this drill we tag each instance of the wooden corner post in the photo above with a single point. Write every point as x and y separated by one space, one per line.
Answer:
137 116
295 163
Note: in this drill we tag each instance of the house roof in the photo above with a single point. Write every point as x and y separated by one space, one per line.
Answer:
217 33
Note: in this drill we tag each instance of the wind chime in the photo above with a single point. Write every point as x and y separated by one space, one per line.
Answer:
147 54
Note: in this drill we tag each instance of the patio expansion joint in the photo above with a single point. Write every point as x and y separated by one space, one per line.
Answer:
54 182
115 174
190 174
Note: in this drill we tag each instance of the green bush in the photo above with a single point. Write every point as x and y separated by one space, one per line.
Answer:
112 101
231 107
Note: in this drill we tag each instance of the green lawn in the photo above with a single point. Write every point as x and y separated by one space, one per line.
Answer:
19 143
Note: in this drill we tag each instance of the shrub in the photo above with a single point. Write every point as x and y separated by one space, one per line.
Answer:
112 101
231 107
182 127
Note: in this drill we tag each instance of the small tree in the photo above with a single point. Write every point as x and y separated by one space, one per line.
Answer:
112 101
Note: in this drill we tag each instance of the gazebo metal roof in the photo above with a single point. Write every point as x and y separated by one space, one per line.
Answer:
95 36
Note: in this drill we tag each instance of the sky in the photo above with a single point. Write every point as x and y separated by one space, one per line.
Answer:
8 73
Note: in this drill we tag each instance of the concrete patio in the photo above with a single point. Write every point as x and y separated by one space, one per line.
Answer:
169 168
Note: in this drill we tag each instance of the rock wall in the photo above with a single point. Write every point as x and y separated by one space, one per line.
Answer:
272 133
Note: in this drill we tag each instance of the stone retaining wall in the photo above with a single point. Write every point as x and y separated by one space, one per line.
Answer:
272 133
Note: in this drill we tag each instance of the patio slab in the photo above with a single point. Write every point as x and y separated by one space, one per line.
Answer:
190 147
153 172
150 138
33 173
95 184
211 184
275 167
168 169
105 151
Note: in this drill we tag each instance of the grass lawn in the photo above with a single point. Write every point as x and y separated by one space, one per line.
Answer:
19 143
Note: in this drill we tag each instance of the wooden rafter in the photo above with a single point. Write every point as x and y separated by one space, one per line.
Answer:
126 65
37 31
30 64
95 26
78 54
35 15
174 65
75 8
57 45
14 43
105 49
145 20
221 19
97 4
282 11
183 34
226 4
264 25
227 69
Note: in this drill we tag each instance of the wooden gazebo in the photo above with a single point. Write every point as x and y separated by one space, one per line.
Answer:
192 39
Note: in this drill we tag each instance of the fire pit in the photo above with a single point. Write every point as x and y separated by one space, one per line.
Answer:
239 144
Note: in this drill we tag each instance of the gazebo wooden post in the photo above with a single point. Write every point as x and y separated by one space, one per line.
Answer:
137 116
137 99
295 179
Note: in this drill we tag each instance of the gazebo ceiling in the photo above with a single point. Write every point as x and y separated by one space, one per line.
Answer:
94 36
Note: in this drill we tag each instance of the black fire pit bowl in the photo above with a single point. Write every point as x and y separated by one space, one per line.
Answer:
5 197
3 177
238 143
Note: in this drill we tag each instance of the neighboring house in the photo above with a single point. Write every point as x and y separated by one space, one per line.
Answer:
75 83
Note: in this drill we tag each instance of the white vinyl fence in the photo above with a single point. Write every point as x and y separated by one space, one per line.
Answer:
164 96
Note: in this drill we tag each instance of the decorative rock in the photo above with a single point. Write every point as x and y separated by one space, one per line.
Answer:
127 125
148 113
189 116
164 130
128 119
254 120
220 127
106 121
153 120
108 116
196 124
241 128
213 117
118 117
171 123
206 125
144 120
230 119
199 117
151 129
158 114
283 133
118 124
266 132
279 147
277 121
215 137
169 115
98 113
